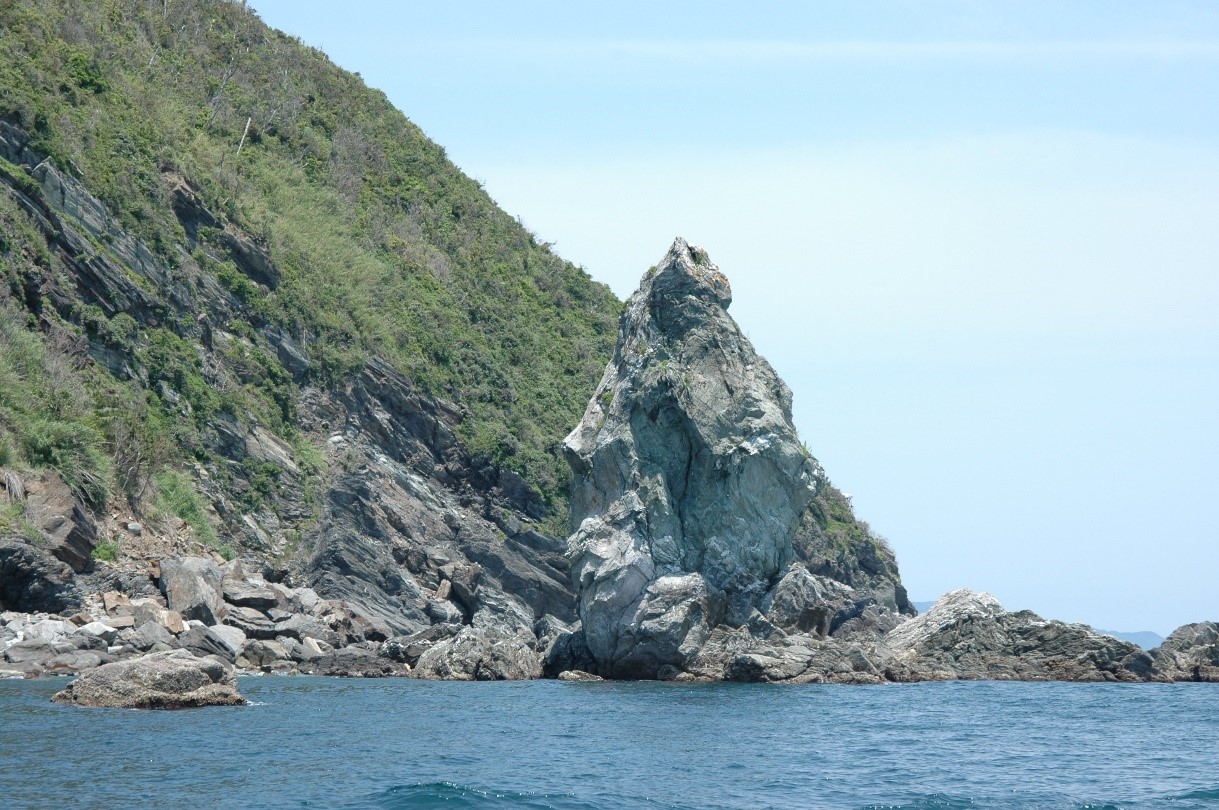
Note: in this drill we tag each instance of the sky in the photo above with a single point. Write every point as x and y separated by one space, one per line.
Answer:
979 240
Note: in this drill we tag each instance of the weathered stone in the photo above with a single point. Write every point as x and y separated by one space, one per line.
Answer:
806 603
259 654
315 648
192 586
689 475
579 675
481 654
169 680
147 636
355 661
302 627
116 602
150 610
59 515
408 649
969 635
252 622
250 594
32 580
205 641
50 630
1190 653
102 631
232 637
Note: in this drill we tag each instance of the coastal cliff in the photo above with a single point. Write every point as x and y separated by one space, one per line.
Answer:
280 385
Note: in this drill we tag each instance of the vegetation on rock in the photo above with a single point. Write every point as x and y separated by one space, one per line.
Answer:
375 244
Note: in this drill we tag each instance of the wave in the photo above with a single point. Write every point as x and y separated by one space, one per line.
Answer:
932 801
1202 794
450 796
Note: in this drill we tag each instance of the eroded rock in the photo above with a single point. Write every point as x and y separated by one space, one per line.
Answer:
689 476
968 635
1191 653
168 680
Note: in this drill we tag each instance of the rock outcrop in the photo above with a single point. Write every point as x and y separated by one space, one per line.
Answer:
165 680
31 580
968 635
1191 653
690 483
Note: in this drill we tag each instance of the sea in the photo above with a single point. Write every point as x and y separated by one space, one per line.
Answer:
335 743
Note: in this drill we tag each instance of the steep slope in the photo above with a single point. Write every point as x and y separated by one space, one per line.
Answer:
326 228
248 309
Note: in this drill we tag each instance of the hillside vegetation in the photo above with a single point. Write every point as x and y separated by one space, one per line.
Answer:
380 247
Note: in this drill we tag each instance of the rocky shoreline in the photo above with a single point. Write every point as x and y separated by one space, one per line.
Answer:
218 611
707 544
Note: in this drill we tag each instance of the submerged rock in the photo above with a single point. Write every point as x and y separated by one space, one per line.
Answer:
166 680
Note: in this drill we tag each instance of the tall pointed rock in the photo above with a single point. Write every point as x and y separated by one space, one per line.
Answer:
690 479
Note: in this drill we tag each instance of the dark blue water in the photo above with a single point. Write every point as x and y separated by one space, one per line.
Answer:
314 742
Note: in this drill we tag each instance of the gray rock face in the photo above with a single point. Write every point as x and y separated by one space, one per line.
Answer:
58 513
32 580
689 476
481 654
1191 653
167 680
969 635
192 586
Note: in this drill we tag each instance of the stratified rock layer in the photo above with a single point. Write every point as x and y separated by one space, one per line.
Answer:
689 476
166 680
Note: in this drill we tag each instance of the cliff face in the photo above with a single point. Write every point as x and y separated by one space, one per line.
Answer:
693 496
375 502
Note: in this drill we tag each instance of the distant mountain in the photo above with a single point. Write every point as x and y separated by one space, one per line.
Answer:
1144 638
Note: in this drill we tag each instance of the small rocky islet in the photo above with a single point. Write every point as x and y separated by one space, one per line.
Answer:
699 553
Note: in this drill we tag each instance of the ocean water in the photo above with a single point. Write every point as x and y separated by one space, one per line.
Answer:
316 742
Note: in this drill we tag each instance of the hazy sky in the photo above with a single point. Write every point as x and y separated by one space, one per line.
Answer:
979 240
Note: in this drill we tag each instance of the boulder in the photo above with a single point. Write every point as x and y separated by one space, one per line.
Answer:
150 610
192 586
807 603
481 654
103 631
167 680
252 622
359 660
251 594
579 676
147 636
262 654
205 641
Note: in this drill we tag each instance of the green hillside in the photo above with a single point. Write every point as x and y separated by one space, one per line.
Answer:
380 246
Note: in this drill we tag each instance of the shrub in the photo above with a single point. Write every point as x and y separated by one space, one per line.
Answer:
177 495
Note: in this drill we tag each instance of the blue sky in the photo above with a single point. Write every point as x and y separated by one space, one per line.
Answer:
978 239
